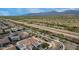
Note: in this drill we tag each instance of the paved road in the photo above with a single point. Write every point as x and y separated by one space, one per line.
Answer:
72 36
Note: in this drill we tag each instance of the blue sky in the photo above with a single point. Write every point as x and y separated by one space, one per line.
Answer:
22 11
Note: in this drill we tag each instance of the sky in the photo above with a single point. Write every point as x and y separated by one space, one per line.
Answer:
23 11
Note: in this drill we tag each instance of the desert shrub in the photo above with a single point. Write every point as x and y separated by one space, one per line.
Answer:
44 45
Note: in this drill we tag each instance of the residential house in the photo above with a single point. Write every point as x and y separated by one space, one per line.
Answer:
1 31
14 37
28 44
10 47
22 34
4 41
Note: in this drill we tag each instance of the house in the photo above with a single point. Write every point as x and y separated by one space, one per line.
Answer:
10 47
23 34
10 24
28 44
7 30
4 41
20 28
14 29
1 31
18 36
4 27
14 37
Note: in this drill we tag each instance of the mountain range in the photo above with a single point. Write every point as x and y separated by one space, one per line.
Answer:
67 12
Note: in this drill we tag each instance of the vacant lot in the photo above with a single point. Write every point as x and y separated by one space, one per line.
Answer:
65 22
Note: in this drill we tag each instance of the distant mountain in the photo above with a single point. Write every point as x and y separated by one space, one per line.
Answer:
67 12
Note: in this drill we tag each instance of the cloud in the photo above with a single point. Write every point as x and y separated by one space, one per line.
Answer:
38 10
61 10
21 11
72 8
4 13
34 10
64 9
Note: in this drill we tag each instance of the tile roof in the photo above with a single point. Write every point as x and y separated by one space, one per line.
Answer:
23 35
30 41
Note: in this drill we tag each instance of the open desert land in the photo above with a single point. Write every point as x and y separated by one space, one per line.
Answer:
63 28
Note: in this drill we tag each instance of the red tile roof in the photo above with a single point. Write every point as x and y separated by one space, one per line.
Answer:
23 34
29 41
